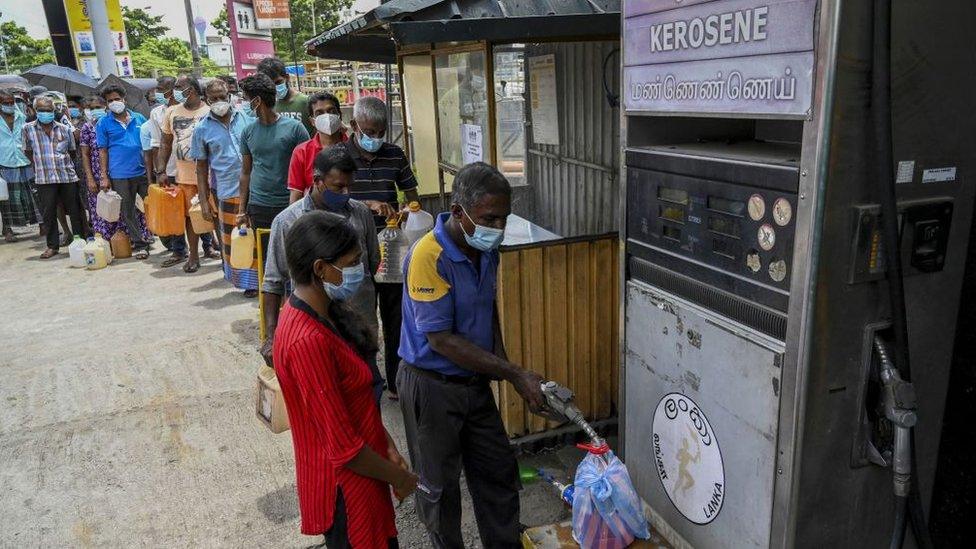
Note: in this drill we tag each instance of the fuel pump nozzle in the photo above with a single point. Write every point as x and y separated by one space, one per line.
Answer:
561 403
899 405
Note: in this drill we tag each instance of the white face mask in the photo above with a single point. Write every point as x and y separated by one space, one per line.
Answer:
328 123
117 106
220 108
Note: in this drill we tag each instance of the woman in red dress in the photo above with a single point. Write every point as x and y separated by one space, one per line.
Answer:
345 461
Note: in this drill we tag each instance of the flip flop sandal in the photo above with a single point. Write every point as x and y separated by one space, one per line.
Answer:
190 267
9 237
211 254
49 253
141 254
250 294
175 260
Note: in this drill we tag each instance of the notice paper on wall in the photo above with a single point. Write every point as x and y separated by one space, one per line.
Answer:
471 143
542 94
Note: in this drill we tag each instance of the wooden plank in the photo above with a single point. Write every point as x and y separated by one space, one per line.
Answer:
580 314
533 321
602 272
555 284
510 316
615 311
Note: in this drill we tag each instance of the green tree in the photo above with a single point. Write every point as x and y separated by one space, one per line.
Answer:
326 16
141 25
220 23
24 52
168 56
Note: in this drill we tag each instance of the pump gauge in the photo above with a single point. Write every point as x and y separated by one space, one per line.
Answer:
777 270
757 207
782 212
767 237
753 261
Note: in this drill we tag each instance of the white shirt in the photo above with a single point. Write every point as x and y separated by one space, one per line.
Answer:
156 136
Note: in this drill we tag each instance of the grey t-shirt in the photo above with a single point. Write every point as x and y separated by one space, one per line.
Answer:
276 277
270 147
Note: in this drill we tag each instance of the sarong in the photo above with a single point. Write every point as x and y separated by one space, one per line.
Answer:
245 279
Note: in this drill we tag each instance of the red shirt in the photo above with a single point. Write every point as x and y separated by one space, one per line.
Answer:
328 392
302 160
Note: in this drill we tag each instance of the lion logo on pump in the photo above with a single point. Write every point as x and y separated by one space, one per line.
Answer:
688 458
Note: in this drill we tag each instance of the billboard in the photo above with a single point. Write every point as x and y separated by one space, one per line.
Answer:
272 14
250 43
83 40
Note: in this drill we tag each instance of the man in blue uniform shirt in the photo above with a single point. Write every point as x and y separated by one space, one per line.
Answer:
451 348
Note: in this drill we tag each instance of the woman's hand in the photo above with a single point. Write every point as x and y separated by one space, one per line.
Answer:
394 455
106 184
405 485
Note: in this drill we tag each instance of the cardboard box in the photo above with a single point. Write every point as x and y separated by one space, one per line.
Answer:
269 402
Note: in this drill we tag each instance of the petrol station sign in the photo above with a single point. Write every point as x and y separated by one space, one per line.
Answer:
737 57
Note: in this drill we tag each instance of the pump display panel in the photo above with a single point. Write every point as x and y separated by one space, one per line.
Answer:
721 221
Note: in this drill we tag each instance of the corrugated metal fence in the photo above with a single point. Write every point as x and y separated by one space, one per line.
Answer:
576 183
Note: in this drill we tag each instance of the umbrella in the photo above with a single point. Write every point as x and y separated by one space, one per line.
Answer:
135 96
14 81
56 78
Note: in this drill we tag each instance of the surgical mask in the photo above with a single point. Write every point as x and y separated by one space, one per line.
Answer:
117 106
179 96
328 123
352 277
249 109
333 200
45 117
95 114
161 98
370 144
8 109
21 106
75 112
220 108
281 90
484 238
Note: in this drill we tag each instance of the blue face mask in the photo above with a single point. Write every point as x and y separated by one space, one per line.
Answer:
333 200
352 277
45 117
95 114
484 238
8 109
370 144
281 90
179 96
21 107
75 112
160 98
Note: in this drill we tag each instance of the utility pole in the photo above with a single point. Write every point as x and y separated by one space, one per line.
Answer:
3 47
102 36
194 47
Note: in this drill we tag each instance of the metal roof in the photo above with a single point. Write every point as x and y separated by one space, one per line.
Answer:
374 35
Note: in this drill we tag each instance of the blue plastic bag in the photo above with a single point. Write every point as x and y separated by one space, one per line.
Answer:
607 512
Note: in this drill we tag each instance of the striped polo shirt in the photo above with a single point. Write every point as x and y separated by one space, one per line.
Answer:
52 153
381 177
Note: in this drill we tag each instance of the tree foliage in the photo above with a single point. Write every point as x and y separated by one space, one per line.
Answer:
141 25
24 52
327 14
168 56
220 23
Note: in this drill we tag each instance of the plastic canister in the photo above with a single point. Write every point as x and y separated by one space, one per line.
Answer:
195 213
108 205
95 257
105 244
393 249
242 248
418 222
76 253
165 210
4 191
121 245
270 402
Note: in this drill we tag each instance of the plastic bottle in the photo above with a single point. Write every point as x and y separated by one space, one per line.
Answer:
565 491
95 255
76 253
242 248
121 245
393 249
106 246
418 223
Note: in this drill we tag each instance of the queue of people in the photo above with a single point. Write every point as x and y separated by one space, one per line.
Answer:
276 159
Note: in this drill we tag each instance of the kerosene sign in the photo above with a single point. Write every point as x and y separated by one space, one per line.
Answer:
720 57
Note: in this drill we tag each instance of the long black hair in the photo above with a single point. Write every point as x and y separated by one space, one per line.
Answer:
327 236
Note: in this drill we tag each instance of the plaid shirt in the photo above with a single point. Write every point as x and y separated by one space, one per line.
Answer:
51 155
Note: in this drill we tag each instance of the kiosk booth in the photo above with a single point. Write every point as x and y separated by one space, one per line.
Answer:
798 205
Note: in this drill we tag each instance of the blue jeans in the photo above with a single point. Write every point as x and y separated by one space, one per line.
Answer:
177 244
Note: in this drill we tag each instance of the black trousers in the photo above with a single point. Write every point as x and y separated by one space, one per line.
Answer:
452 425
389 298
128 189
338 536
66 194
